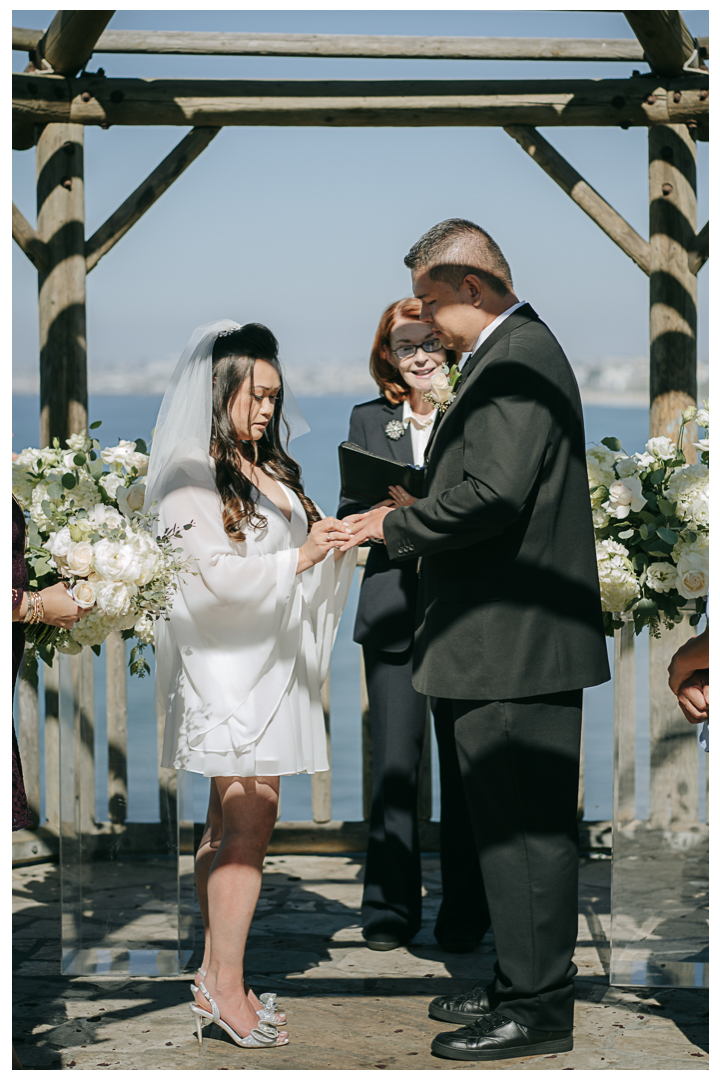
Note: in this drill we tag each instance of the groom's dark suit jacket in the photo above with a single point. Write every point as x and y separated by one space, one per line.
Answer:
509 601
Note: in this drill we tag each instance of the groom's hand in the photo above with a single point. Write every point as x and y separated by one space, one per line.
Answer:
367 526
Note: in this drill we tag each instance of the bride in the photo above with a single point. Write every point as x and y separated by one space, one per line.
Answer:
241 660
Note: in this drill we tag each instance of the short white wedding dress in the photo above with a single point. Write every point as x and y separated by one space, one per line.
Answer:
241 660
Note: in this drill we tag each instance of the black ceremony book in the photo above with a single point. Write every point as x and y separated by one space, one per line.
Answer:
366 477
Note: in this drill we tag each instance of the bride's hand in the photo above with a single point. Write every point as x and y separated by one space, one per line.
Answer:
324 535
400 497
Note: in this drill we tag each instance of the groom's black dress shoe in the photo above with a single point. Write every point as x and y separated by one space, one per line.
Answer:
495 1037
461 1008
381 942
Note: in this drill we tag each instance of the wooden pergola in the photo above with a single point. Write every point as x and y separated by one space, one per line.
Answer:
56 97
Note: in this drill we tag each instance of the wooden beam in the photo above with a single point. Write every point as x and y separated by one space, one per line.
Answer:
700 250
666 41
28 240
203 43
68 42
146 194
562 172
361 103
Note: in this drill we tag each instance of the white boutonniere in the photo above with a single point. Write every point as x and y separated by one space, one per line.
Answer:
444 386
395 429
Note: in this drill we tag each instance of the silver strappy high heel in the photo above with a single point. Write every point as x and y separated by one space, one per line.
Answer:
269 1005
264 1035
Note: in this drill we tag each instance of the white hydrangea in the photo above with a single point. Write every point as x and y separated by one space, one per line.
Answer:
600 461
40 495
661 576
626 467
618 584
145 630
689 488
600 517
111 481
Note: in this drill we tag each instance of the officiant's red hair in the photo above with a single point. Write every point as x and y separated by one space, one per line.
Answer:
386 375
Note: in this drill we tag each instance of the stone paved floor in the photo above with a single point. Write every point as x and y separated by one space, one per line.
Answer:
348 1007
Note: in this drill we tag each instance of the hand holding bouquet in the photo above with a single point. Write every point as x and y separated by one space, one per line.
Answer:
86 528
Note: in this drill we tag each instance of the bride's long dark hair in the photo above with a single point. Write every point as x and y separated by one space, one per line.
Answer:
233 361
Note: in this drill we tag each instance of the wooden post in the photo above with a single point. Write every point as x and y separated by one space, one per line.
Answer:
624 725
673 286
51 677
322 781
29 743
61 227
83 685
116 713
673 742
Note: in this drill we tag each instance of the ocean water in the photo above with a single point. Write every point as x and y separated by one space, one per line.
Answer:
134 417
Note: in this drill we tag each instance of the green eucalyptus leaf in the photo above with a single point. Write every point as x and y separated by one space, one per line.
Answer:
96 649
656 476
95 425
55 490
666 507
612 444
141 446
69 481
80 459
667 535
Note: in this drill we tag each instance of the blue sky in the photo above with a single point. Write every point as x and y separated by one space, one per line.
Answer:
305 229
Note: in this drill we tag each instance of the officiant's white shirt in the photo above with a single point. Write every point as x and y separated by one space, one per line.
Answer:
420 431
489 329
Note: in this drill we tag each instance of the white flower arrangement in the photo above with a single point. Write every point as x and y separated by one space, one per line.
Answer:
651 516
86 527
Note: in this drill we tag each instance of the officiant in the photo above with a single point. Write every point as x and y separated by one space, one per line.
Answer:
397 425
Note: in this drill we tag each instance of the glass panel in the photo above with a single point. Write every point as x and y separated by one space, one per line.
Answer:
127 900
660 845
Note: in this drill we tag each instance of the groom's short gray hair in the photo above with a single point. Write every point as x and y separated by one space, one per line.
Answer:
455 248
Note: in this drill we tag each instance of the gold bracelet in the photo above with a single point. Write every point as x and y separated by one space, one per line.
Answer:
41 607
30 608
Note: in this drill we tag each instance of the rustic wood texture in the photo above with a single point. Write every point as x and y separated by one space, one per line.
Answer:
157 183
699 252
28 241
624 725
28 736
562 172
404 103
673 742
68 42
83 689
673 286
61 307
666 41
116 713
204 43
322 781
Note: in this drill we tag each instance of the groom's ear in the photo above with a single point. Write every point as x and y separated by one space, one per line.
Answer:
474 289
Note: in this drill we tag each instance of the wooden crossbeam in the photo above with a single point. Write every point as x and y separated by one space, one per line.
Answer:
667 43
699 252
146 194
192 43
68 42
561 171
360 103
28 240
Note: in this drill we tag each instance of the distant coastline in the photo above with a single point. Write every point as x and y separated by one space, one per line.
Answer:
612 382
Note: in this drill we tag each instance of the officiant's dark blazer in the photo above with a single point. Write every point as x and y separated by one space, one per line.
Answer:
386 607
509 602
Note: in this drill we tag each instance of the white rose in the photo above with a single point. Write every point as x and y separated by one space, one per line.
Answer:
148 557
59 543
80 529
627 466
440 387
106 515
661 576
703 418
80 558
145 630
703 445
644 460
693 575
600 517
118 455
76 443
131 499
114 597
83 593
661 447
117 561
625 495
111 481
138 461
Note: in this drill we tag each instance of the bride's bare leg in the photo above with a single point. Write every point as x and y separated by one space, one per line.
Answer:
203 861
249 810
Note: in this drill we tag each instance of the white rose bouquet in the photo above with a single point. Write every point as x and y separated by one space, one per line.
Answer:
86 527
651 516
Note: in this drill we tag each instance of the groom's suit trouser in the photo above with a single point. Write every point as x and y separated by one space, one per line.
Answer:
520 765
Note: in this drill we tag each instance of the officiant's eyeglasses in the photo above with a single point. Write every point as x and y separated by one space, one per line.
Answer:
405 352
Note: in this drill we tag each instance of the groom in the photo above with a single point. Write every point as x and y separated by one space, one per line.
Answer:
509 627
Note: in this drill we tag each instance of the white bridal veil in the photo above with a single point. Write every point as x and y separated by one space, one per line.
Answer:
185 419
